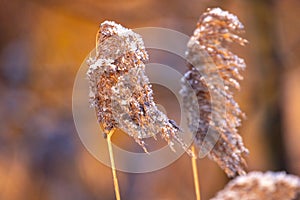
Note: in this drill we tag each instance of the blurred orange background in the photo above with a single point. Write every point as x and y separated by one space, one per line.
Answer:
43 44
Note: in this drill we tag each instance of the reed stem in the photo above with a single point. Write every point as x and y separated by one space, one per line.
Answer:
112 162
195 174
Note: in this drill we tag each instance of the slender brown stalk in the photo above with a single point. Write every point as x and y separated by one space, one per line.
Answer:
112 162
195 174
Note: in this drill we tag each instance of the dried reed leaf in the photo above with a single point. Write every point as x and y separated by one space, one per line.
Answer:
213 73
258 185
120 91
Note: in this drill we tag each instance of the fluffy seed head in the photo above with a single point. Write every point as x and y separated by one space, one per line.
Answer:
258 185
213 74
121 92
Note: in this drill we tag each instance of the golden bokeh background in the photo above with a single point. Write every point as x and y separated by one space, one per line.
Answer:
42 45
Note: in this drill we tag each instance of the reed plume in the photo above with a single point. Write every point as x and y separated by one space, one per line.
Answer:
121 92
213 73
258 185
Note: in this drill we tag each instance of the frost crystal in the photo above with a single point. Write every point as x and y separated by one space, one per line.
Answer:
258 185
212 75
120 91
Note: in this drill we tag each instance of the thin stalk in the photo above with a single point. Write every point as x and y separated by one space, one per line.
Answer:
97 37
195 174
112 162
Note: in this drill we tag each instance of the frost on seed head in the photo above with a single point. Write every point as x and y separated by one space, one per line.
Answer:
120 91
258 185
213 74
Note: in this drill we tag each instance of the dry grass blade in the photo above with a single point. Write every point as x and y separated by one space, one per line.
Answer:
120 91
206 47
258 185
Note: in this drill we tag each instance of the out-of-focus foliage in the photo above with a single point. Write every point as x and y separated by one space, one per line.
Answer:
42 45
